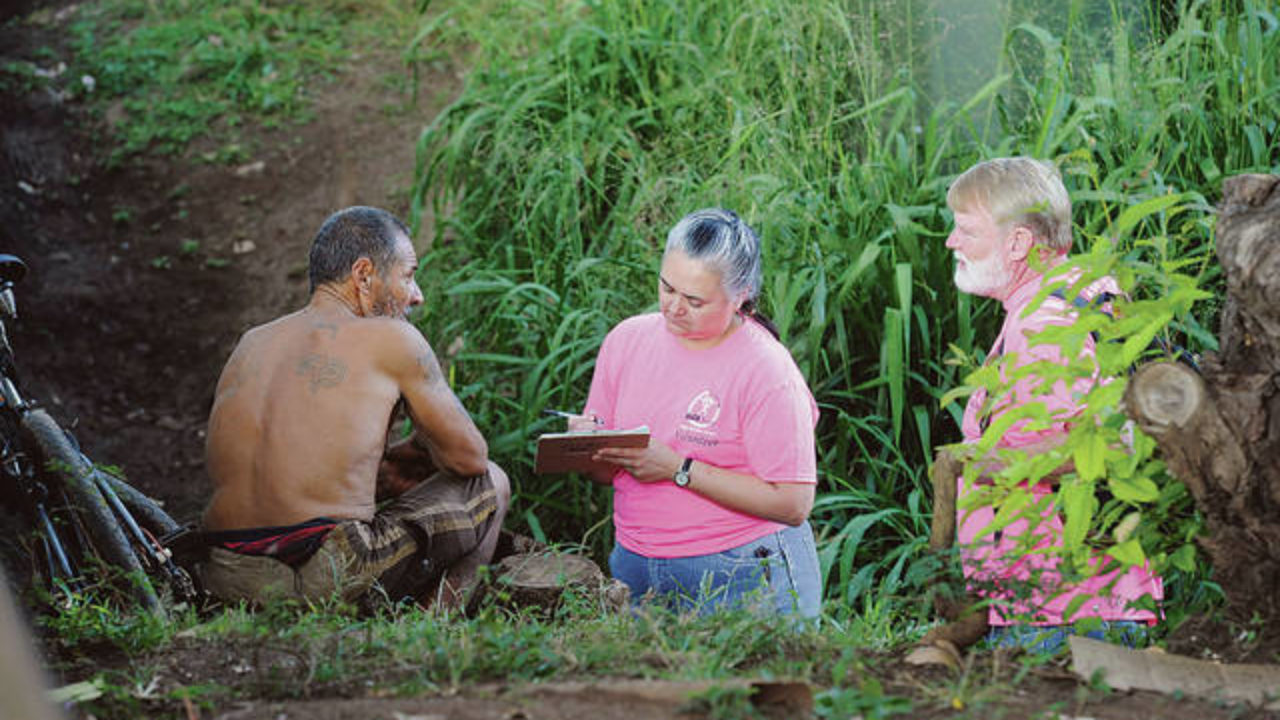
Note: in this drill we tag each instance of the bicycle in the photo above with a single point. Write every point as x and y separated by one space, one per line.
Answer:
78 513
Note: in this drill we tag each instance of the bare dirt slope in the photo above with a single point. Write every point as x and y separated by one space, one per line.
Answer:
143 277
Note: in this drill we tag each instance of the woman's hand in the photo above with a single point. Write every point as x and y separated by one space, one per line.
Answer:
583 423
651 464
787 503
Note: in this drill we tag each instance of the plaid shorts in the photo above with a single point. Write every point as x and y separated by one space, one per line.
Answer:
401 553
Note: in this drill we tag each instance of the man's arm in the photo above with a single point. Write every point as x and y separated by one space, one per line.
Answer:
441 425
992 463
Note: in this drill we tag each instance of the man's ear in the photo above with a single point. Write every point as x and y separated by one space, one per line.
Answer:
1020 242
362 272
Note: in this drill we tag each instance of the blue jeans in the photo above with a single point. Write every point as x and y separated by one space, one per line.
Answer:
779 572
1049 639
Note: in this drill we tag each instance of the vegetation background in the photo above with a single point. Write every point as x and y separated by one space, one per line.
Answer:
585 128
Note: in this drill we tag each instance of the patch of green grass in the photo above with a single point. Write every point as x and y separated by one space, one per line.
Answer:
178 71
412 651
18 77
82 620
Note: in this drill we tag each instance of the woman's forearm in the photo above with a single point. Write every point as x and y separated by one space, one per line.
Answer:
787 503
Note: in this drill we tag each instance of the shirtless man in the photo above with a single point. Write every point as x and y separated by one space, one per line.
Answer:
297 442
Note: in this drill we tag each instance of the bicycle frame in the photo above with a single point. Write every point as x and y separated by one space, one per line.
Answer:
102 510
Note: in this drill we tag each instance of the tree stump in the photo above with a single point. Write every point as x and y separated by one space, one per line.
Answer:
539 580
1220 431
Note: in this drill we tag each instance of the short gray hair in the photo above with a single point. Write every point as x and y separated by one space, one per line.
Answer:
348 235
1018 191
726 244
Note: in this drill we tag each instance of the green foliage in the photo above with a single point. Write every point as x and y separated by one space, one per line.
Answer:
587 128
18 77
86 620
440 652
406 651
1117 499
853 693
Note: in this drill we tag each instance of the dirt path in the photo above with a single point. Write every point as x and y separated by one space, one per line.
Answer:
142 278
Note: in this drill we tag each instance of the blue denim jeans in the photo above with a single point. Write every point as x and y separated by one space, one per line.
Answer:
1049 639
779 573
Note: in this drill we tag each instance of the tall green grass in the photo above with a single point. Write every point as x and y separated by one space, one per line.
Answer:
587 128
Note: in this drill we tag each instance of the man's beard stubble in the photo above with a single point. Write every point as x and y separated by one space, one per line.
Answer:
985 277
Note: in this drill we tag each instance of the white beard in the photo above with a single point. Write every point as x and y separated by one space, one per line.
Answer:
986 277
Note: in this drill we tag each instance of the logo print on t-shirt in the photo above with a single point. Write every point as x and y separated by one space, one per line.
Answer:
704 410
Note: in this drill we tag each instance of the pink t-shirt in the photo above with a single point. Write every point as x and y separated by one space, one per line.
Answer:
989 561
742 406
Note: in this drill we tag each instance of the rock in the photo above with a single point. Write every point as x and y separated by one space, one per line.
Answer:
253 168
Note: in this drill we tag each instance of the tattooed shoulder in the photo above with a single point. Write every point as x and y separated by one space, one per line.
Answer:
430 367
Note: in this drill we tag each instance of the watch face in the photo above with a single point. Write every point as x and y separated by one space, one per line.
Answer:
681 478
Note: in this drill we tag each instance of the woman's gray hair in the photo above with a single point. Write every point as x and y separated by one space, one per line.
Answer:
727 245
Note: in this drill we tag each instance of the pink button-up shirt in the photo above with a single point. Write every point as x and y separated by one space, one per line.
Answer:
1024 585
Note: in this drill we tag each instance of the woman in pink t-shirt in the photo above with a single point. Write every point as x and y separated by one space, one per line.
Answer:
714 512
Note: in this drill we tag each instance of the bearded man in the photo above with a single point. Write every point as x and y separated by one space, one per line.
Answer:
1012 230
297 442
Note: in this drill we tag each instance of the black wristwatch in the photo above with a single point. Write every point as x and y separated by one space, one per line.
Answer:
681 478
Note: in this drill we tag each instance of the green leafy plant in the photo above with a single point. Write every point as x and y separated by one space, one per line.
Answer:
1117 500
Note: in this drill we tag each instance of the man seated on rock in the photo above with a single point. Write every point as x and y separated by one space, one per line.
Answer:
297 442
1012 228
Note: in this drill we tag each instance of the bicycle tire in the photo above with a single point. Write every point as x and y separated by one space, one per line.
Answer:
147 510
61 458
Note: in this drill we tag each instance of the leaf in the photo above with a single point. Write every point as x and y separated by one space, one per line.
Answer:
1078 505
1090 457
77 692
1128 552
1134 214
1013 507
955 393
1184 558
1135 490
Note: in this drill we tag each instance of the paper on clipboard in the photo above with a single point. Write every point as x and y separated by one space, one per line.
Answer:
572 451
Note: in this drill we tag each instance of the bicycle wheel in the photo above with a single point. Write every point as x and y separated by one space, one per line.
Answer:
109 540
148 511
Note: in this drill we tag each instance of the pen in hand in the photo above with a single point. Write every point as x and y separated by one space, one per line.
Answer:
569 415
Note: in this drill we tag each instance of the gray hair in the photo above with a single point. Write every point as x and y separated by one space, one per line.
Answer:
727 245
1018 191
349 235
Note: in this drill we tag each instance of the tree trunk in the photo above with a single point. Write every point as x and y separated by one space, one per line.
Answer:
1220 431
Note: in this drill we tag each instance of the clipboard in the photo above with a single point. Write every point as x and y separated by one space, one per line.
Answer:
572 451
